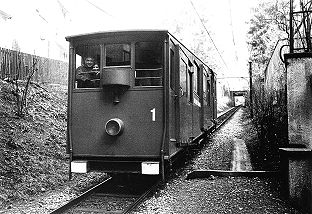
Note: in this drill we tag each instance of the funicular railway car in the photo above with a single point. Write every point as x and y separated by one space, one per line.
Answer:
143 99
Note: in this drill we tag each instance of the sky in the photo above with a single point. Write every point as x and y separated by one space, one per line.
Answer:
226 23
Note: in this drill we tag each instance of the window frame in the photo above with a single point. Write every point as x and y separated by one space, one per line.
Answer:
82 57
161 68
105 54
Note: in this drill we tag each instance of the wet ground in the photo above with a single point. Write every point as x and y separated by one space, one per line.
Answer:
218 194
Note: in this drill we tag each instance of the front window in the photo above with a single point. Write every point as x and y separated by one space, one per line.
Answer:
87 66
148 64
118 55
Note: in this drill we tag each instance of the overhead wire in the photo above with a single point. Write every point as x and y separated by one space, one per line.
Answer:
203 24
41 16
231 24
63 9
97 7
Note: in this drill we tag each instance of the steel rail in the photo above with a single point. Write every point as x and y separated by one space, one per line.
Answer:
141 198
94 192
80 198
230 112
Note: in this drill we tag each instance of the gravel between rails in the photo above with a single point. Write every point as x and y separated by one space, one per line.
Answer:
218 194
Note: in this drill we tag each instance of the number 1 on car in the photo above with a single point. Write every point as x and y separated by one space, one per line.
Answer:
153 114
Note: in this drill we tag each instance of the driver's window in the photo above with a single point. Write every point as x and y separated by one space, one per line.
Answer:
87 66
148 64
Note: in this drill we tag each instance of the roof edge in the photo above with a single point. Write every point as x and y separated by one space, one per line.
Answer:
117 32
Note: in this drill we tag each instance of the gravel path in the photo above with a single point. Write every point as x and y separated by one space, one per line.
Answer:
217 194
178 195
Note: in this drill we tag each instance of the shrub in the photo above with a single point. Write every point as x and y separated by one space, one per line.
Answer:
270 119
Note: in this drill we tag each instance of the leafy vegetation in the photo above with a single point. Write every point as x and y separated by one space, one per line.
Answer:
20 89
268 25
270 121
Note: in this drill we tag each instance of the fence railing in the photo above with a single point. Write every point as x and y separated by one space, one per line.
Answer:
18 65
300 23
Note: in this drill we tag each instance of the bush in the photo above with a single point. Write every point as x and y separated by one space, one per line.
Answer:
270 119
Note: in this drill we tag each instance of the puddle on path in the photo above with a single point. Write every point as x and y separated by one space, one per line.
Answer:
240 156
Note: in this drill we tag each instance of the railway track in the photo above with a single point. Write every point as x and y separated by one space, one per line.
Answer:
121 194
224 117
118 194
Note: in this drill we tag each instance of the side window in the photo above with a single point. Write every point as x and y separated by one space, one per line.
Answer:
87 66
197 80
212 89
183 75
208 92
149 64
191 94
195 76
205 87
172 72
190 82
118 55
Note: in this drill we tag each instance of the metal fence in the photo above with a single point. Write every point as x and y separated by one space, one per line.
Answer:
300 23
18 65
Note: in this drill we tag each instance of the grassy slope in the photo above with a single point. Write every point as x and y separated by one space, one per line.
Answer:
32 148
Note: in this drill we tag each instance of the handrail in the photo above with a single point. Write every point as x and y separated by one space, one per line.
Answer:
142 78
165 94
148 69
162 153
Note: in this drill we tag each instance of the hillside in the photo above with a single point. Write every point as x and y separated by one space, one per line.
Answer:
33 147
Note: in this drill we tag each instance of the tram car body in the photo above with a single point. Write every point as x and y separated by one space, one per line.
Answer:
150 98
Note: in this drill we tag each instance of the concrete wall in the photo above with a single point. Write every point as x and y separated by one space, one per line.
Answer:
299 100
300 181
298 157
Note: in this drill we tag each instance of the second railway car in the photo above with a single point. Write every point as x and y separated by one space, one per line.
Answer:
143 97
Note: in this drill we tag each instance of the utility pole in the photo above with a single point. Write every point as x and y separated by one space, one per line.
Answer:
250 89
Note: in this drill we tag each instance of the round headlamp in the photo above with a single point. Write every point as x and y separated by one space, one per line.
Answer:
114 127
